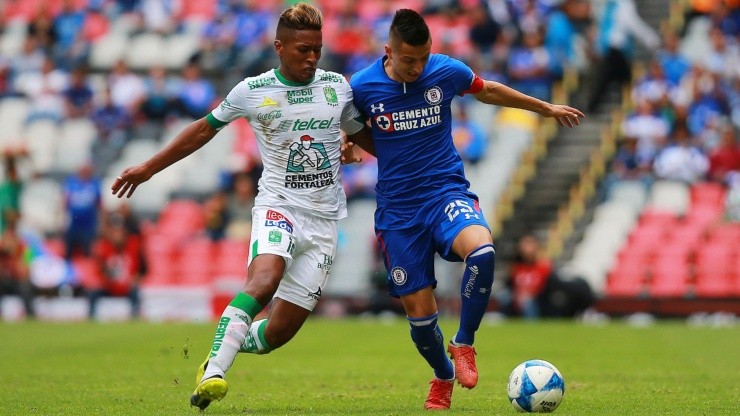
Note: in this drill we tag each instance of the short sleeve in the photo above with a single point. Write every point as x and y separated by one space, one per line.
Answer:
351 121
231 108
461 75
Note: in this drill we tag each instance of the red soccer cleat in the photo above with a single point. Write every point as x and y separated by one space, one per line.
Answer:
440 395
465 370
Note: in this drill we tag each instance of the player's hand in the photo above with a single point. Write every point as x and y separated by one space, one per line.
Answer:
349 155
565 115
129 179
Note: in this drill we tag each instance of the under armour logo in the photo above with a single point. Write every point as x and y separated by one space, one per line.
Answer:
376 108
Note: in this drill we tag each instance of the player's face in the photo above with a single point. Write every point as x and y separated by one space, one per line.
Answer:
299 52
406 61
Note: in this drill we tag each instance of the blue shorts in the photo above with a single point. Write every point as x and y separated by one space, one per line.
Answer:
409 252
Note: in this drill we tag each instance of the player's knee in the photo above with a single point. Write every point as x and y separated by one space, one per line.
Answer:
482 262
262 286
485 253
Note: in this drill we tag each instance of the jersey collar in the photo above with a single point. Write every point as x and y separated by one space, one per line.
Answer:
290 83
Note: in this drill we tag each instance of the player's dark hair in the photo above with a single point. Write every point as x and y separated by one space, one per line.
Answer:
410 28
301 16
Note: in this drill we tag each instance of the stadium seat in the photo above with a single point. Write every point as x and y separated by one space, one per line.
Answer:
179 48
11 42
669 196
74 148
201 181
714 285
703 215
87 272
41 205
727 234
685 235
716 253
669 279
108 50
695 44
42 138
657 218
627 278
154 199
181 218
55 246
632 194
195 265
139 149
13 113
231 259
708 193
145 51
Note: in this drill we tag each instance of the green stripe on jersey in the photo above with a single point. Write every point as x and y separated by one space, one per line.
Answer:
214 122
254 249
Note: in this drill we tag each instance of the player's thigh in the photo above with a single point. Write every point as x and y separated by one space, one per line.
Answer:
307 276
409 259
460 227
264 275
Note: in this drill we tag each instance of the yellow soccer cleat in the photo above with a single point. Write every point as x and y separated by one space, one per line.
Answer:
214 388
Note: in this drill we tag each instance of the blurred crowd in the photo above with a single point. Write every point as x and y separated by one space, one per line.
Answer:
683 120
683 124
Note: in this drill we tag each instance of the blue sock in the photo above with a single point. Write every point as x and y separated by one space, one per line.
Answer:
429 341
476 291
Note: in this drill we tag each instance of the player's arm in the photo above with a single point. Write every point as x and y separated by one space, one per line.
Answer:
495 93
364 139
192 138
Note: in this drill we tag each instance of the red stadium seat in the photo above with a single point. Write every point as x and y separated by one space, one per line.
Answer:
87 272
707 193
715 285
626 279
231 259
728 234
670 279
659 218
55 246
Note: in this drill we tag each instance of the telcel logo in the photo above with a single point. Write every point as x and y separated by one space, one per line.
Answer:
312 124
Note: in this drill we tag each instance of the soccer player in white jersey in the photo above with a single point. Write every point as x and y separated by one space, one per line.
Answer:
296 112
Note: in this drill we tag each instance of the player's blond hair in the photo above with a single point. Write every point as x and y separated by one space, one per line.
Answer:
302 16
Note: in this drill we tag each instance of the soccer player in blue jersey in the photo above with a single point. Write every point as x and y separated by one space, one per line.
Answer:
424 205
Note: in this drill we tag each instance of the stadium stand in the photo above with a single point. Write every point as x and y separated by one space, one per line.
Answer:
665 240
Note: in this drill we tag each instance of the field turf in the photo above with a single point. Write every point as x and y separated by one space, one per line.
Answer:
355 366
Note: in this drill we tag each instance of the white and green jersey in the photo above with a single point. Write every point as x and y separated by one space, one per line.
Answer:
297 128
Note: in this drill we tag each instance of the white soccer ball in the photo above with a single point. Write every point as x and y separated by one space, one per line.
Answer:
536 386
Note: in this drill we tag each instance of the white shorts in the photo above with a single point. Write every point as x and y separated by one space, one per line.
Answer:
307 243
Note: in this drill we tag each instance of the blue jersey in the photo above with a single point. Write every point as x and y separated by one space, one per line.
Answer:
412 122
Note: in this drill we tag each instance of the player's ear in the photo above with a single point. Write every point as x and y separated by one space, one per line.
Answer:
388 50
278 47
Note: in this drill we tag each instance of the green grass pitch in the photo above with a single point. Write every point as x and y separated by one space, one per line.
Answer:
370 367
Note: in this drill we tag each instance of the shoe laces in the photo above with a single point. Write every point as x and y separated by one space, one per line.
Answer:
440 389
466 352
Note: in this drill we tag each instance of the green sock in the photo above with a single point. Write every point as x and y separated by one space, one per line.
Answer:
255 342
231 332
